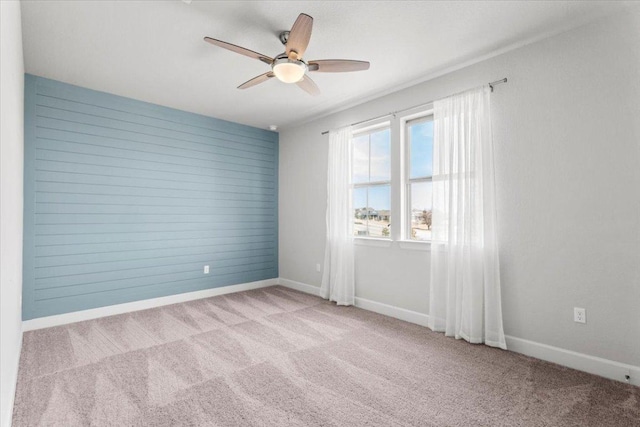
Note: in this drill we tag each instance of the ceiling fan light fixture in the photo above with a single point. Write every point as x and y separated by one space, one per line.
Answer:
289 67
289 70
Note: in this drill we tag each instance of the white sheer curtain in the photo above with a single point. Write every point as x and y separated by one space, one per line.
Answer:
338 280
465 274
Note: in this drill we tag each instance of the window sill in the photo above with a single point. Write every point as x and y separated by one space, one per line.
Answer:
414 245
372 241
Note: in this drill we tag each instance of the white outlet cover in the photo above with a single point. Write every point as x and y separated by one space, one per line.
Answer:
318 267
206 269
579 315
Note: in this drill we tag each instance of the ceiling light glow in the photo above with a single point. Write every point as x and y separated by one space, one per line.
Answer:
288 70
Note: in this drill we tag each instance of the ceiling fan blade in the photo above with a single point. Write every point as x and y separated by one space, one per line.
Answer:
299 35
240 50
308 86
337 65
256 80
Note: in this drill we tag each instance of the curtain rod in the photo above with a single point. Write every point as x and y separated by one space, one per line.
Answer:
393 113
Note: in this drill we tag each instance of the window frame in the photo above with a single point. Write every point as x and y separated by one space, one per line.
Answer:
407 121
368 129
400 161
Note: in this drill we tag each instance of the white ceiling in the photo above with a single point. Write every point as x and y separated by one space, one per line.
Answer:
153 50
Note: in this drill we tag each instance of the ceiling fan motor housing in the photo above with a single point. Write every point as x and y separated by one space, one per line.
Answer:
284 36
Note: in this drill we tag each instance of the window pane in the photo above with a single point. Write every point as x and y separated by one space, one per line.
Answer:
421 203
379 210
359 207
361 159
421 137
380 156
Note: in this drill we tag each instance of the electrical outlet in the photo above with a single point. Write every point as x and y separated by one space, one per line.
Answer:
579 315
206 269
318 267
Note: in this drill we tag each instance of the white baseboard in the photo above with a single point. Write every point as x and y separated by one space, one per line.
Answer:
299 286
365 304
94 313
393 311
635 375
571 359
579 361
6 418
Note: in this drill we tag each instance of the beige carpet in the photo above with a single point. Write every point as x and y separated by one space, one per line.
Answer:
276 357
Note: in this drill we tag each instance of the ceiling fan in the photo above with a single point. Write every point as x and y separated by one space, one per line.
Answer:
289 66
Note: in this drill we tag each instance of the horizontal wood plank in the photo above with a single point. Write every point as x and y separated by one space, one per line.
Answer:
126 200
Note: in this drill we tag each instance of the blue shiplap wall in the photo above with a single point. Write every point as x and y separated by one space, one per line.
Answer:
126 200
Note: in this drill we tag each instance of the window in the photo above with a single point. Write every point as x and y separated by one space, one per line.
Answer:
392 168
371 180
419 171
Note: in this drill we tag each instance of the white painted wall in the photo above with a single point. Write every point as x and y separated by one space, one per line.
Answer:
566 132
11 198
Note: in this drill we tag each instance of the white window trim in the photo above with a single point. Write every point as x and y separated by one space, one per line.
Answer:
369 128
399 176
406 178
